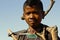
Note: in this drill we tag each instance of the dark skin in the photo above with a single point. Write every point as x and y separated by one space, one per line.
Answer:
33 17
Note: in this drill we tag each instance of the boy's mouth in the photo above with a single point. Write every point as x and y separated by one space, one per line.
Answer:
32 20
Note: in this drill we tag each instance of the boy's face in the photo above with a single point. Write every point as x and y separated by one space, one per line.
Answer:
32 16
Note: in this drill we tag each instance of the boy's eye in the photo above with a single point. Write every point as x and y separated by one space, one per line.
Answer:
34 12
28 13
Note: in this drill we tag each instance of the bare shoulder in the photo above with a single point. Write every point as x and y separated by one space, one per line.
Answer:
50 28
17 32
53 30
21 31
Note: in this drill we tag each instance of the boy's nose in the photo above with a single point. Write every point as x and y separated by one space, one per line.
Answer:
31 15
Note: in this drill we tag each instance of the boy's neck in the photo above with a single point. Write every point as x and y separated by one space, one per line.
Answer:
35 29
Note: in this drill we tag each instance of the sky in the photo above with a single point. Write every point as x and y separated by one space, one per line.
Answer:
11 12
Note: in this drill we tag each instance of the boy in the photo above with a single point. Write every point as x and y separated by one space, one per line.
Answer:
33 15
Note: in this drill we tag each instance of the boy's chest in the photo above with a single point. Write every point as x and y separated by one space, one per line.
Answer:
34 38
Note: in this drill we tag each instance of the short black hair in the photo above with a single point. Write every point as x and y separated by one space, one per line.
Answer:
37 3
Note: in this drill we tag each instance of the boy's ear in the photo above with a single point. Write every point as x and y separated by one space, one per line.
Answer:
43 14
22 17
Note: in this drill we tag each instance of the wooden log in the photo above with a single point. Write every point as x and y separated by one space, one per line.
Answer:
12 35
